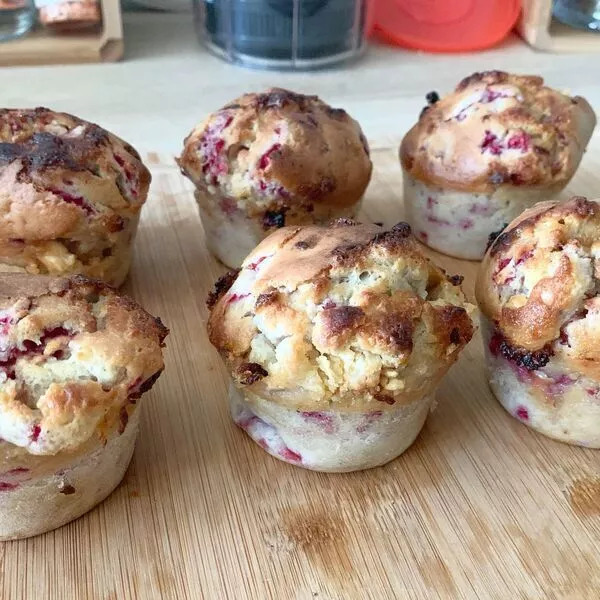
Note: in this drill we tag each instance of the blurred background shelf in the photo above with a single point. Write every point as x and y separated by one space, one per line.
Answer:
43 47
542 31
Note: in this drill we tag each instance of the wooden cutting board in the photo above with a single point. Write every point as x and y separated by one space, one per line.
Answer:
479 507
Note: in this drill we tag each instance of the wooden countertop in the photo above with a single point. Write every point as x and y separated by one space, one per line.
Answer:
479 508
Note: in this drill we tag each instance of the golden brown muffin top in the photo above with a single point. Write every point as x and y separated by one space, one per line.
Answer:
62 177
539 283
280 152
74 357
499 129
348 314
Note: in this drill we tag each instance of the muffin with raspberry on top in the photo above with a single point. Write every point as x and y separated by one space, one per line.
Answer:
273 159
481 155
71 194
538 291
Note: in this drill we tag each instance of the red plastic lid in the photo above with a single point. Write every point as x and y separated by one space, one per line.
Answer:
446 26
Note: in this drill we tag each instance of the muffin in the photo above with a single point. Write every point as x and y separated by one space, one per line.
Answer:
538 291
74 359
70 196
336 338
480 156
269 160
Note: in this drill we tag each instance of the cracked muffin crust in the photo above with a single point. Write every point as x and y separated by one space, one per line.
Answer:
538 294
70 196
272 159
348 327
481 155
74 359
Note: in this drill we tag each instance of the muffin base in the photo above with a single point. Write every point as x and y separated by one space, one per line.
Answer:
460 223
231 234
326 440
562 406
39 504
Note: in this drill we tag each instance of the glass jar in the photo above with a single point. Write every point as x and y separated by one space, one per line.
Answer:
284 34
584 14
16 18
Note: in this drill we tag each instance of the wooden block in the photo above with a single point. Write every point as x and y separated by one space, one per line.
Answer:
542 31
43 47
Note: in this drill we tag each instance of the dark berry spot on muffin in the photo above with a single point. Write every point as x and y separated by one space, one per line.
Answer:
279 98
266 298
432 97
274 218
455 336
236 298
5 486
309 242
455 279
222 286
211 146
325 420
497 177
35 433
254 265
530 360
123 419
66 488
386 398
290 455
492 238
336 113
138 388
522 413
368 420
491 144
18 471
250 373
76 200
265 159
519 141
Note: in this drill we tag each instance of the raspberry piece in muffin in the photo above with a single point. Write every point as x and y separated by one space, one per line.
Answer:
70 196
336 339
481 155
269 160
74 360
538 294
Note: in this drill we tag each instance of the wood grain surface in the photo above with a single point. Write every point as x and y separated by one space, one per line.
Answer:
479 507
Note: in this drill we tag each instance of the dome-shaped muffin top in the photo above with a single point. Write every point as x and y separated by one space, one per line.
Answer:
348 314
62 177
498 128
74 357
539 285
280 152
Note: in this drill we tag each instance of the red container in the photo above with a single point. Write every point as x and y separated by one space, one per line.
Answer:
446 25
